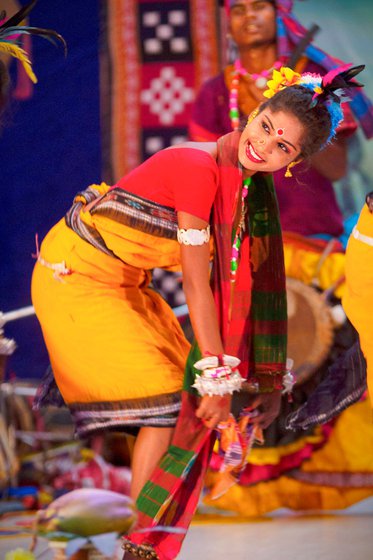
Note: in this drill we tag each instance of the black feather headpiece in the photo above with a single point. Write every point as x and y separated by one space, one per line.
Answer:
338 81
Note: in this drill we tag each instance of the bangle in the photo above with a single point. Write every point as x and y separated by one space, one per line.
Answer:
269 381
215 361
219 380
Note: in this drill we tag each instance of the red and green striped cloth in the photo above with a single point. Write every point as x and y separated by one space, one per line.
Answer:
253 322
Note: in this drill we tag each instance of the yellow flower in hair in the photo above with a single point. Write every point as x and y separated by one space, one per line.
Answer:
274 84
291 76
281 79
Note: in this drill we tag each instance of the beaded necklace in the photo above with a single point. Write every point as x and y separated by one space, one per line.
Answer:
260 81
240 229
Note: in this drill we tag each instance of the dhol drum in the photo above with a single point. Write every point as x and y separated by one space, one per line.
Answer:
310 328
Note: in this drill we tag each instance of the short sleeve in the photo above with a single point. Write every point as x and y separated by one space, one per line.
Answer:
194 176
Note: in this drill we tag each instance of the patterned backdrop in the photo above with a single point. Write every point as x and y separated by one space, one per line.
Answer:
155 55
123 91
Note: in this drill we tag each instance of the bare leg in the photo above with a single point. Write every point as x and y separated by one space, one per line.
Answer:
151 444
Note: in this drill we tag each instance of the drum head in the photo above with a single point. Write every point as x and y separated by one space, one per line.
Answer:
310 329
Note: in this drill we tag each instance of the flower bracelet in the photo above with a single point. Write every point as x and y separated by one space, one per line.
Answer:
219 375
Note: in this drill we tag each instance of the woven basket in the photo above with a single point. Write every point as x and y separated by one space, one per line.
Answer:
87 552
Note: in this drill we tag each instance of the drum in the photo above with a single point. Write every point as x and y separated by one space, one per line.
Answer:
310 329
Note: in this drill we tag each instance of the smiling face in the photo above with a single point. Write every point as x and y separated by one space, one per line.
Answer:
271 141
252 23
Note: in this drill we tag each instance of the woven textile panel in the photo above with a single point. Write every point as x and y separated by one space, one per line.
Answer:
154 57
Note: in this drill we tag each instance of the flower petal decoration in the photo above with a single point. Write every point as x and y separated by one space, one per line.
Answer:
290 76
282 78
105 543
74 545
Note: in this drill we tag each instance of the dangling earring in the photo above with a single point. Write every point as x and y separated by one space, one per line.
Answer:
252 115
288 172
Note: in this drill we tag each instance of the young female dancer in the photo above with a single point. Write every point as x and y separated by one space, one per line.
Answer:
117 352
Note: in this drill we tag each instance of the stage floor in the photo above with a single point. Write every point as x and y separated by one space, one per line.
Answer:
285 535
288 537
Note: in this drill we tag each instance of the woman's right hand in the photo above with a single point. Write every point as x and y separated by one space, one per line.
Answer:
214 409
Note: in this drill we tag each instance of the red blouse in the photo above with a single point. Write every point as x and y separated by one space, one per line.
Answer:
183 178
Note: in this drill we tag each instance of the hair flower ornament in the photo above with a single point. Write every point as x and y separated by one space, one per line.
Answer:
330 89
282 78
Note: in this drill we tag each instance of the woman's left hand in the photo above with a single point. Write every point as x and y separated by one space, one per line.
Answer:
213 410
268 406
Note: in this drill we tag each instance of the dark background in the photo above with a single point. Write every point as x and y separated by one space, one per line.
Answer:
50 149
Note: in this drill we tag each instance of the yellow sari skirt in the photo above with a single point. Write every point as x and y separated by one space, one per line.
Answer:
358 297
116 348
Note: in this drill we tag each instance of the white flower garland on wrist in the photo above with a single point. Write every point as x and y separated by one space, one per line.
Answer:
219 375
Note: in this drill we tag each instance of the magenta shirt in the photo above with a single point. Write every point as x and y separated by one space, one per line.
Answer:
307 202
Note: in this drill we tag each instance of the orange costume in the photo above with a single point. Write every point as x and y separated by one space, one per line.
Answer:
357 299
116 349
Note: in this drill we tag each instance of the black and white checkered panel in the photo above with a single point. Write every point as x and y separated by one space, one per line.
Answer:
165 31
155 139
169 285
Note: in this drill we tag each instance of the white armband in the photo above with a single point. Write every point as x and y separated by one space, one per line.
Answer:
193 236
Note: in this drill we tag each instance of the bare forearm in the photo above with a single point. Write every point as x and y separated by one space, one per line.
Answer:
196 283
203 317
214 408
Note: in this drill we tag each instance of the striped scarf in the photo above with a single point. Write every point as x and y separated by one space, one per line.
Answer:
252 327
